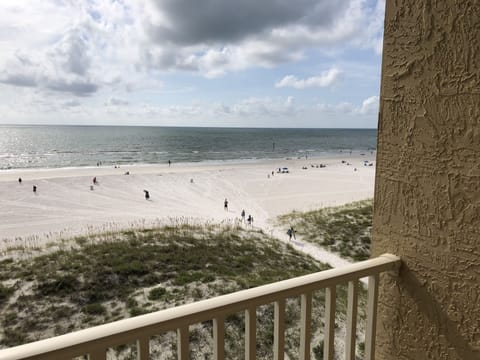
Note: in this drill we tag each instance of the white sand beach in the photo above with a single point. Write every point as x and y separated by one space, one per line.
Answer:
64 204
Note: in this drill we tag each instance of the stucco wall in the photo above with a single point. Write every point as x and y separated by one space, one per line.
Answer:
427 192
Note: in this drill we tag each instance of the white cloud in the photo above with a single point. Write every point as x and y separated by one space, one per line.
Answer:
326 79
369 107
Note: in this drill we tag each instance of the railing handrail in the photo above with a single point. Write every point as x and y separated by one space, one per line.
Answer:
128 330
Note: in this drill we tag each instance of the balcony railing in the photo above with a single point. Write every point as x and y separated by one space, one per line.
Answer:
95 341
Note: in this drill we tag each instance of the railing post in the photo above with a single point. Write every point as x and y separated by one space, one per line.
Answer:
219 338
251 333
330 309
370 333
351 320
279 330
183 343
143 349
305 326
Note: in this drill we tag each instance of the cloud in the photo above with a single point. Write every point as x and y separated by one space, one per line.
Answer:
369 107
326 79
99 50
128 40
72 47
223 36
186 22
116 102
26 71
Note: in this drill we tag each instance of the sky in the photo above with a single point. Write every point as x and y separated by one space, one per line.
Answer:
232 63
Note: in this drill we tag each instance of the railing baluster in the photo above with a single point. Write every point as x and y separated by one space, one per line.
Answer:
330 309
219 338
351 320
305 326
98 354
251 333
279 330
143 348
182 343
371 330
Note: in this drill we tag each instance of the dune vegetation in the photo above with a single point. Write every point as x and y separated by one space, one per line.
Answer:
106 277
345 229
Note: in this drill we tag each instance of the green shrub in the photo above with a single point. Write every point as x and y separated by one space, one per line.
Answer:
63 285
318 351
185 277
5 293
157 293
94 309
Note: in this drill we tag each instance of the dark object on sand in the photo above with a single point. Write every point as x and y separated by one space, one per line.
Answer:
147 194
95 180
19 180
34 188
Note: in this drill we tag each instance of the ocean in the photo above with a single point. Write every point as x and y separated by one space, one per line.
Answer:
77 146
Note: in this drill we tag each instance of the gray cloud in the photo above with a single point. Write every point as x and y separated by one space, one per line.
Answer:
63 68
23 80
75 87
217 36
71 103
71 52
116 102
213 21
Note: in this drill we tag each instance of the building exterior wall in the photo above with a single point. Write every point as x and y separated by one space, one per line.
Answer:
427 192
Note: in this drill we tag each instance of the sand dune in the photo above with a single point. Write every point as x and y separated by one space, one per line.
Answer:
64 204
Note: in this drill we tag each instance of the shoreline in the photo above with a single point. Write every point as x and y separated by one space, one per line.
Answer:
209 162
7 174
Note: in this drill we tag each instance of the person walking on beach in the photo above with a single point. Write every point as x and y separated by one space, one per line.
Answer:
291 233
19 180
225 205
147 194
35 189
95 180
243 215
249 220
169 163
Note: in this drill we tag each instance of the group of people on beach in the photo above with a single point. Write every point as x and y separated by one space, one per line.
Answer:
249 220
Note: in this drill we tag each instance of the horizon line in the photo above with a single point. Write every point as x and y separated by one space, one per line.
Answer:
192 126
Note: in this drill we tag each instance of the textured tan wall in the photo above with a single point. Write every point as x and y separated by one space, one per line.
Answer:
427 192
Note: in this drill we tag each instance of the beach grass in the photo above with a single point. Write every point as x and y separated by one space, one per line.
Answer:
107 277
345 229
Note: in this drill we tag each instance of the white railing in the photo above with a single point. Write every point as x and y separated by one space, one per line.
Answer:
95 341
